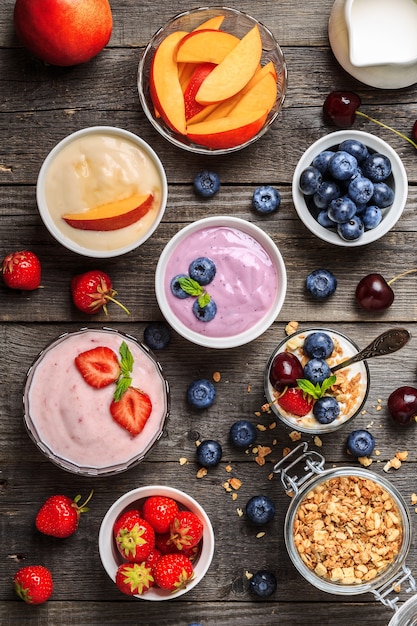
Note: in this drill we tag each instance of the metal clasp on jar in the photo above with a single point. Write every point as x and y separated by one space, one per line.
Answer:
314 464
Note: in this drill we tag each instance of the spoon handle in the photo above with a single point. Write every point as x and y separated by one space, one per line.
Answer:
386 343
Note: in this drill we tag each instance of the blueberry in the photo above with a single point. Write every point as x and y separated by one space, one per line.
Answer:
209 453
201 393
342 165
205 313
355 148
260 510
202 270
321 161
377 167
327 192
310 180
326 409
266 200
341 209
206 184
383 195
321 284
360 189
176 288
316 370
318 345
324 220
360 443
263 583
351 230
157 335
371 217
242 433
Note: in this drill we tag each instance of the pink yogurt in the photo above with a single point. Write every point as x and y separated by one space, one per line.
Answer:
70 420
244 287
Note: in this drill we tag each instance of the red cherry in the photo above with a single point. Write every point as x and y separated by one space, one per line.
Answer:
285 370
402 405
340 108
373 293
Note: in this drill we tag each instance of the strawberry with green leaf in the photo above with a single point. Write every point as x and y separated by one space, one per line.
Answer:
33 584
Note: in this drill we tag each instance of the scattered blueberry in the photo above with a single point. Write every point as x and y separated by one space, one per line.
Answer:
206 184
377 167
316 370
263 583
157 335
266 200
355 148
260 509
351 230
342 165
360 443
372 216
202 270
360 190
176 288
326 409
209 453
383 195
318 345
310 180
242 433
321 284
205 313
201 393
341 209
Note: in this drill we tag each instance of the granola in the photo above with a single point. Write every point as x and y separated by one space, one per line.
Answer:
348 530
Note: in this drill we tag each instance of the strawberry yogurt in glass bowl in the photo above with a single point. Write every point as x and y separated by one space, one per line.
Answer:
240 291
82 426
348 388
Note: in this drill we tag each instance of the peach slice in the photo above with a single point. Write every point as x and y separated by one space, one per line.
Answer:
233 73
186 69
261 95
227 132
112 215
206 46
164 83
213 23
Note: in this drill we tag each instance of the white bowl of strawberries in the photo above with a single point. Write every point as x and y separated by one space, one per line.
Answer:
156 543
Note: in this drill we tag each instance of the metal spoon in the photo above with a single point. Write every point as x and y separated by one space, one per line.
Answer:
386 343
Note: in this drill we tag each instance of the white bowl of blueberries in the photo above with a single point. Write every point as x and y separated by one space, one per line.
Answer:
349 188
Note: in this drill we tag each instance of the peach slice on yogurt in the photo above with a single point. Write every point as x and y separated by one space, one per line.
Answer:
112 215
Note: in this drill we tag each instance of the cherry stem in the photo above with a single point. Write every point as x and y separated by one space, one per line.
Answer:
413 143
411 271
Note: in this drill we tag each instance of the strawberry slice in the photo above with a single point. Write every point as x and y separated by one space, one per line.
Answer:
132 410
296 401
99 366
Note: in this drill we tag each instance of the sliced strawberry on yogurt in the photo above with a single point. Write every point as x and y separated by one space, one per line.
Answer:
99 366
132 410
296 401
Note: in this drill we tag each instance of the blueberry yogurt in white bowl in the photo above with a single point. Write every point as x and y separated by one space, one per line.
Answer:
349 188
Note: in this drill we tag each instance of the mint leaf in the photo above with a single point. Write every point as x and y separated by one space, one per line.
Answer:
203 300
126 366
318 390
190 286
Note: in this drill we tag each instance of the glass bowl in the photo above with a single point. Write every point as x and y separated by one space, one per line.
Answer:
248 288
70 421
397 180
354 379
111 558
236 23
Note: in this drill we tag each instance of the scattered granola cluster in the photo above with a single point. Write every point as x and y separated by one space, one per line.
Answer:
348 530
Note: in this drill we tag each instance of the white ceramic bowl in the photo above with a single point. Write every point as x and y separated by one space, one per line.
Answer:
111 558
398 180
77 177
226 288
236 23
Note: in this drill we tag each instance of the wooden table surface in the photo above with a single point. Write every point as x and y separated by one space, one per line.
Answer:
40 105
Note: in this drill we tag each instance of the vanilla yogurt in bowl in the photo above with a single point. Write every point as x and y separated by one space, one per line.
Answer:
70 421
101 166
248 287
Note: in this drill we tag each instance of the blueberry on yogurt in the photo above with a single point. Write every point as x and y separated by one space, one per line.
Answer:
205 313
176 288
202 270
326 409
316 371
318 345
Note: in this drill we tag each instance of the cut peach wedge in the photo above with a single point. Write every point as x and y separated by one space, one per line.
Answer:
234 72
112 215
205 46
227 132
262 94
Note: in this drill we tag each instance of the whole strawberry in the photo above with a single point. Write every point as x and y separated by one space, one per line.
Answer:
59 515
173 571
134 578
33 584
21 270
295 401
92 291
186 530
159 511
135 538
